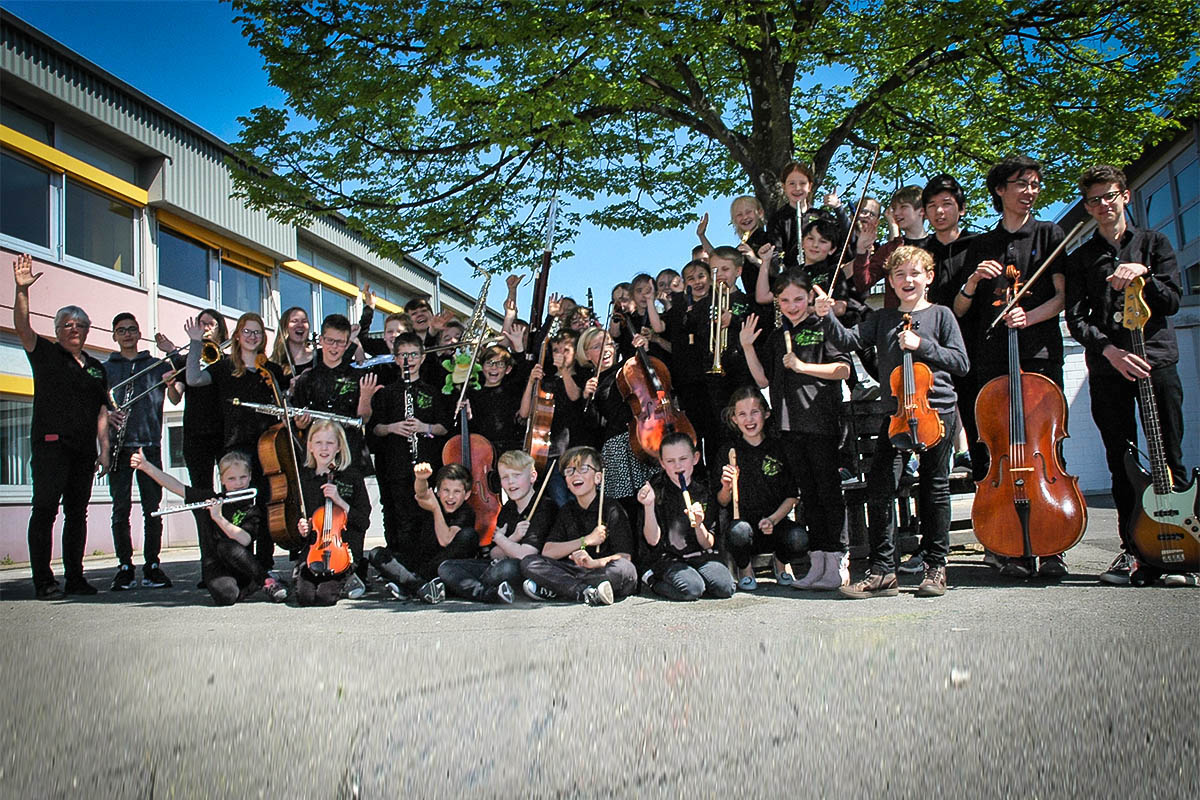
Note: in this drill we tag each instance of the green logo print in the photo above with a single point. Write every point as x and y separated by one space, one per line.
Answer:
770 466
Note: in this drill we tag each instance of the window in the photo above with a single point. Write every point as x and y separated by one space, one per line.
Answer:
174 451
1170 202
24 122
99 157
24 201
334 303
16 415
327 264
295 291
240 289
99 229
183 263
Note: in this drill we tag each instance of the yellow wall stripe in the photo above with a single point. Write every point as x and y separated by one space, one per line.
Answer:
16 384
82 171
234 252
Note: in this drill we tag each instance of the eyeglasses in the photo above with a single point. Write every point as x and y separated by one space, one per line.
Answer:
252 334
74 326
1107 197
1021 183
496 362
582 469
330 342
126 329
868 214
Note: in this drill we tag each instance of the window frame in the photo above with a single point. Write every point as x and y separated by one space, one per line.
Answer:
170 292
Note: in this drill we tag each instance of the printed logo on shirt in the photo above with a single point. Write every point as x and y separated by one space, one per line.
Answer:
238 517
771 466
423 400
737 309
807 337
95 372
344 386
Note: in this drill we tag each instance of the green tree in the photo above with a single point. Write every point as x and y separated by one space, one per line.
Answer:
450 123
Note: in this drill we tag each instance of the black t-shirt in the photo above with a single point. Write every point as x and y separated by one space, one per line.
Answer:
246 514
609 413
241 426
494 414
388 406
687 330
67 396
765 480
574 523
1026 249
350 487
203 417
677 536
949 261
333 390
539 525
425 546
802 402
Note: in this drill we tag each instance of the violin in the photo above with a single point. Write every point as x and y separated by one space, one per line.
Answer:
645 383
1027 505
277 456
329 555
915 426
1164 529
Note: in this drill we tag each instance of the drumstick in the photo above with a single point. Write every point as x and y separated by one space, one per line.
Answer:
600 514
545 483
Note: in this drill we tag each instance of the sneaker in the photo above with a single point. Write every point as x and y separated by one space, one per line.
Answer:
1019 567
396 592
647 578
747 584
784 578
275 590
433 592
1178 580
79 586
353 587
913 564
505 593
600 595
872 586
992 560
125 578
912 467
49 591
535 592
934 584
1120 569
154 577
1053 566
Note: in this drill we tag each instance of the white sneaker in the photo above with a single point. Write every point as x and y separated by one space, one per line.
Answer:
535 592
505 593
600 595
747 584
354 588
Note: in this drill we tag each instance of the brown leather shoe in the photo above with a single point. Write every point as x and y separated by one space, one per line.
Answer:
872 586
934 584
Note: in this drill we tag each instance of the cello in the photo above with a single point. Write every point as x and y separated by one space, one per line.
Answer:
645 384
277 456
915 426
541 417
1027 505
1164 528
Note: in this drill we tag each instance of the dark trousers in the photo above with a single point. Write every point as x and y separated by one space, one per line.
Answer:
60 474
1113 408
814 460
120 489
401 513
691 580
410 569
318 591
229 571
569 581
200 453
695 398
980 458
477 578
744 541
933 500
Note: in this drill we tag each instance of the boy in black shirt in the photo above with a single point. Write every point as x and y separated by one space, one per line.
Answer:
584 559
70 423
227 531
402 413
521 528
685 564
446 531
494 407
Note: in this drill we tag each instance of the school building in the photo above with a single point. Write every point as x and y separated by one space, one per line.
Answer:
126 206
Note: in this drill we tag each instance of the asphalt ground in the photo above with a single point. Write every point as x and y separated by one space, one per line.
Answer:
999 689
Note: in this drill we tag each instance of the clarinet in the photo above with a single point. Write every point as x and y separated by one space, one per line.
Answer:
114 458
408 414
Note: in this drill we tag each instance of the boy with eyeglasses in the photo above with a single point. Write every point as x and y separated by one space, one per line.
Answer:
138 427
1098 273
1022 241
586 558
494 407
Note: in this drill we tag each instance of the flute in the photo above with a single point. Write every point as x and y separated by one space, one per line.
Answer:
229 497
279 411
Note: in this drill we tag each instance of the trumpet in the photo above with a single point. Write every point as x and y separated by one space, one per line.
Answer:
718 335
210 354
224 497
280 412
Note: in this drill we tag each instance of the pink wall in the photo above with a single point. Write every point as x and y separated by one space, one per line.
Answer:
179 530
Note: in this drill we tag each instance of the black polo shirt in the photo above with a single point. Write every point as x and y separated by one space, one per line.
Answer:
765 480
539 525
246 514
574 523
67 396
802 402
677 536
388 406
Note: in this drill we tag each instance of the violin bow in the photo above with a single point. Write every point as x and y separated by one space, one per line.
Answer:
281 397
1037 274
545 483
837 272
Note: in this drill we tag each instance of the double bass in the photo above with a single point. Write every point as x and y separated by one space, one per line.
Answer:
645 384
476 453
1164 528
1027 505
277 456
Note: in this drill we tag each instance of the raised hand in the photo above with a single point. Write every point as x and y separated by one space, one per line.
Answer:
193 329
749 332
645 495
423 471
368 296
702 228
23 274
822 303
